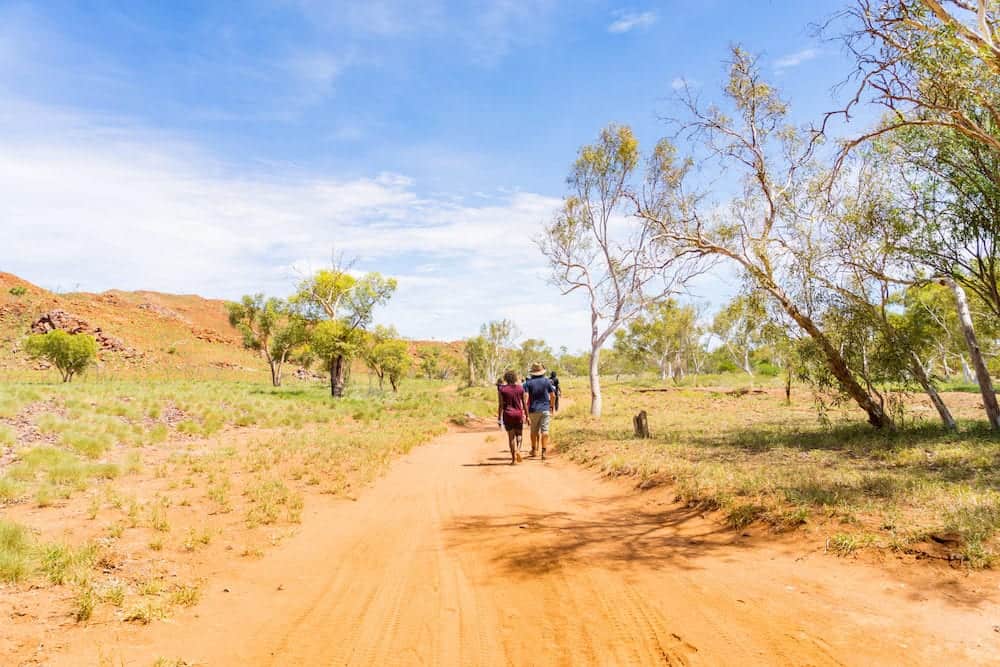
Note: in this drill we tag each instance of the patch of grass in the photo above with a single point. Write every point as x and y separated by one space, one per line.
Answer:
185 596
62 563
844 544
114 594
268 496
145 613
10 490
158 515
84 601
16 545
741 516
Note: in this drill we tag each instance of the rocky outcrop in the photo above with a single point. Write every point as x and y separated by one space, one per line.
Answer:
60 319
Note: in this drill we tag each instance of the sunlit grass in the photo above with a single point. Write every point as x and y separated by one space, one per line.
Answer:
757 459
93 440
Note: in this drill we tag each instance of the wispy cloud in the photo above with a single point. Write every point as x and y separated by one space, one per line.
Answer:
152 212
682 82
795 59
316 68
627 21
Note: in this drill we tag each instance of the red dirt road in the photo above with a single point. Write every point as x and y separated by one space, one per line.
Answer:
455 558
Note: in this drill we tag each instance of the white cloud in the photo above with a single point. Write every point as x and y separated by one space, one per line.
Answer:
316 68
104 207
682 82
797 58
628 21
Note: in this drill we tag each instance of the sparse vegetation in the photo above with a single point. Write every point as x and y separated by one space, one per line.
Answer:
756 459
97 437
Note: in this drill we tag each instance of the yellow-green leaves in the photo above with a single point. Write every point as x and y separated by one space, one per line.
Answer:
70 353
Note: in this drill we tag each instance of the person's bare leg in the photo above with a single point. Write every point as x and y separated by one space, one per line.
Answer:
510 443
545 443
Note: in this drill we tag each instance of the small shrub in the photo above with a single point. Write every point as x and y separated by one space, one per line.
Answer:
70 353
60 563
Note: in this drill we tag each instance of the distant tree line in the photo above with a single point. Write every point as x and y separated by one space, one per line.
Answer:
326 322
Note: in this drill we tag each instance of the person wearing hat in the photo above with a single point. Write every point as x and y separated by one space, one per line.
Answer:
541 397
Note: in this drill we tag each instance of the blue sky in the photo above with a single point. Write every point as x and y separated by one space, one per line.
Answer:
224 148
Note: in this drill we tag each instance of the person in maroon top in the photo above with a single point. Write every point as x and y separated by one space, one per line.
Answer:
511 411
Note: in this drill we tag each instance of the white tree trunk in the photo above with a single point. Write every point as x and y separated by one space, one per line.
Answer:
595 381
925 382
966 371
982 373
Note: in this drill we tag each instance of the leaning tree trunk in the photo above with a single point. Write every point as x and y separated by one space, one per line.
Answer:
982 372
595 381
837 364
925 382
338 366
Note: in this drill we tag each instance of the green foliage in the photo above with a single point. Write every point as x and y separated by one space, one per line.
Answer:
345 306
666 337
532 350
70 353
18 290
271 326
387 356
490 353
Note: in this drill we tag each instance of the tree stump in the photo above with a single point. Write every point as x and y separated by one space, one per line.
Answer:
641 425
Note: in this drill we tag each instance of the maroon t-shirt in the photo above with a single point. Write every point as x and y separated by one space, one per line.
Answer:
512 400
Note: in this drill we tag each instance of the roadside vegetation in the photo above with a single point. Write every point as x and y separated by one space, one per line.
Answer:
756 459
114 486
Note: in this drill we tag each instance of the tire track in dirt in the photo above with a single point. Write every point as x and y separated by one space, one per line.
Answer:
454 558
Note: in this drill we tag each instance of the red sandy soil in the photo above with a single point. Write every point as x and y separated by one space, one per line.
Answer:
456 558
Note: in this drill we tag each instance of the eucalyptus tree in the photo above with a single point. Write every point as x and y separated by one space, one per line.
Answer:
270 326
343 306
775 230
663 337
490 353
934 65
949 187
928 63
531 350
386 355
739 325
595 247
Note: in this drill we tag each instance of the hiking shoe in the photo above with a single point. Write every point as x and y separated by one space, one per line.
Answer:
518 457
543 454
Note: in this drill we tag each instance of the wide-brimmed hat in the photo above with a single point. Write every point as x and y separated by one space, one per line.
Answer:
537 369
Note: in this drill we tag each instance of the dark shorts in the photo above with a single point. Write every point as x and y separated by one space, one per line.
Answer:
513 423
